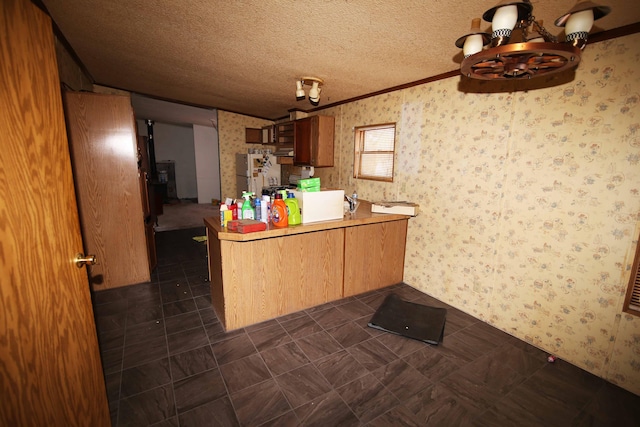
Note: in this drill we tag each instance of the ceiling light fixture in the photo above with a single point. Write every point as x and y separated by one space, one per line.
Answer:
520 47
314 92
299 91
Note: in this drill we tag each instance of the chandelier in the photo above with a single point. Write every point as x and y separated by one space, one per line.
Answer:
520 47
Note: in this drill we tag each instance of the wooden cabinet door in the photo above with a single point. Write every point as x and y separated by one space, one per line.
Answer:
102 137
374 256
313 141
50 370
302 154
322 141
253 136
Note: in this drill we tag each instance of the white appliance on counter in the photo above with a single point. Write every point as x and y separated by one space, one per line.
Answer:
255 171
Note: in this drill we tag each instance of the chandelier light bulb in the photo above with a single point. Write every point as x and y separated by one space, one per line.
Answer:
503 22
505 18
579 22
474 41
473 44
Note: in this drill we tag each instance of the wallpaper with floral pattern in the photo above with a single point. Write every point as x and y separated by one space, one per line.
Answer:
231 134
529 201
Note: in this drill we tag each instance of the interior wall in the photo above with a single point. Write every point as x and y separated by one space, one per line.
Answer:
176 142
529 201
231 131
70 73
205 141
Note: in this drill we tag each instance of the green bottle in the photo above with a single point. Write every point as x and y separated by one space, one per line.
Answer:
293 209
247 209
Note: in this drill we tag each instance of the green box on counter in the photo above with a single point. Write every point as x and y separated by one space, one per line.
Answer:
308 183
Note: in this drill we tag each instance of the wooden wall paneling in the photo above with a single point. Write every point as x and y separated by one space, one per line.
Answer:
103 145
374 256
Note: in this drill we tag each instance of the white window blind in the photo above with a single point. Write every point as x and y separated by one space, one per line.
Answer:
375 152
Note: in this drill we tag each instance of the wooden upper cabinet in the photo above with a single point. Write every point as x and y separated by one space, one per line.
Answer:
313 141
253 136
284 133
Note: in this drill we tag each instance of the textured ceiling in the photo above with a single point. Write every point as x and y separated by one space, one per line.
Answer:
245 56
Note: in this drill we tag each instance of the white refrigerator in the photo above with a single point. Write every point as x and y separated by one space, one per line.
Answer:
255 171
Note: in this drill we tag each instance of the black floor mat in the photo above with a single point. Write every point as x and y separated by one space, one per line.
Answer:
411 320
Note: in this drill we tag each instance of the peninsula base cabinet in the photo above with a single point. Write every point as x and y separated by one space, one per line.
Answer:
375 255
260 279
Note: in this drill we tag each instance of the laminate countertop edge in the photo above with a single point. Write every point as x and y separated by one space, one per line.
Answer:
362 216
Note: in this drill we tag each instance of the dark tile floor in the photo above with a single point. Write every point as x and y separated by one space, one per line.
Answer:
168 362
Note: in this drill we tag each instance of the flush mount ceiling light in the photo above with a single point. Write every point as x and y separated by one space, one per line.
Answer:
520 47
314 92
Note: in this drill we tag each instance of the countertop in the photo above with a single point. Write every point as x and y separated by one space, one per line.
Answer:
361 217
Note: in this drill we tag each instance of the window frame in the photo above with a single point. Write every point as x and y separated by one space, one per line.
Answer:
633 290
359 133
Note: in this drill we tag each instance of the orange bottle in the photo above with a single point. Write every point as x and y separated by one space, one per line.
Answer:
279 217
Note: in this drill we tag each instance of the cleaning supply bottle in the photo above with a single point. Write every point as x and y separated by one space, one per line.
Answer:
223 210
258 208
247 209
353 202
234 210
294 209
228 216
279 217
265 209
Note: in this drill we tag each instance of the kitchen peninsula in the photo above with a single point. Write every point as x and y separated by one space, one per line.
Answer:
262 275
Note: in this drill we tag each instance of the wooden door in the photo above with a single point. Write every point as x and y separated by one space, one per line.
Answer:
50 371
102 137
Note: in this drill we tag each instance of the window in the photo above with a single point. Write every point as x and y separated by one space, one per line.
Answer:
374 152
632 302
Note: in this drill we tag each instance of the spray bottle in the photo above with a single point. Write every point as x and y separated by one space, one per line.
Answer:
247 209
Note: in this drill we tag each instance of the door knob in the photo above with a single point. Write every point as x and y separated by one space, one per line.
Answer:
82 260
